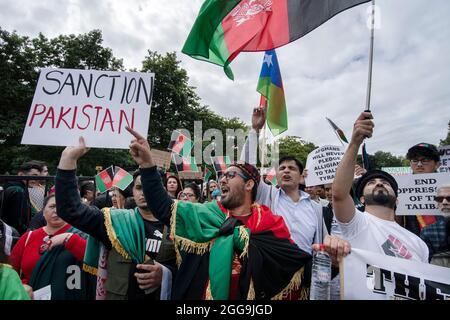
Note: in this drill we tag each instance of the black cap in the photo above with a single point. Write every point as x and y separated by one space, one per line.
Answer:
423 149
372 174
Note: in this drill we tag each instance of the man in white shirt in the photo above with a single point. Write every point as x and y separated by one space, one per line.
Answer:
375 229
302 215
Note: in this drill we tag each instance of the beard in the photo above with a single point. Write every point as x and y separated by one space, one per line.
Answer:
380 199
233 199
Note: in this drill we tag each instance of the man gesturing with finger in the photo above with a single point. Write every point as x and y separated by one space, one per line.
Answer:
128 250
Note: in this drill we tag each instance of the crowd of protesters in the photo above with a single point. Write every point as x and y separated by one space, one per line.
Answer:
237 237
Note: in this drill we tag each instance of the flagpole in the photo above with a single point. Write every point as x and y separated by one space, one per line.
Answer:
263 156
372 36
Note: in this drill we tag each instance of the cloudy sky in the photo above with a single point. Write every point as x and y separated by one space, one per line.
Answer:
324 73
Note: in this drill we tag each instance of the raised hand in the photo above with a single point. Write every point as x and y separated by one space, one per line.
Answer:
70 155
363 128
258 118
140 150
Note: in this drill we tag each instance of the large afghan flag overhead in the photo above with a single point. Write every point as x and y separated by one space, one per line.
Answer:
224 28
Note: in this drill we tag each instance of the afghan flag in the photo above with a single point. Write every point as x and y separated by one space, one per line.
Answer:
272 176
185 163
180 144
207 175
122 179
104 179
270 86
338 131
224 28
221 164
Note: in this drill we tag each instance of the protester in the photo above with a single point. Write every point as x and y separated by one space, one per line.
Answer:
36 189
191 192
119 196
129 250
43 257
11 287
375 229
437 235
302 215
16 209
210 188
234 248
173 186
423 158
87 192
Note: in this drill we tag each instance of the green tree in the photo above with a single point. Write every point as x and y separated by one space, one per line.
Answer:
446 141
296 146
175 104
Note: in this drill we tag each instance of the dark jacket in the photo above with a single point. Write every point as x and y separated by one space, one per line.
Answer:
90 220
15 206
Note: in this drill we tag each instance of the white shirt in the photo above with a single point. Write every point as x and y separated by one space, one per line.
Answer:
368 232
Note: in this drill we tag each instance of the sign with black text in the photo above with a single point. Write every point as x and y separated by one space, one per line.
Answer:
373 276
97 105
444 151
416 193
322 164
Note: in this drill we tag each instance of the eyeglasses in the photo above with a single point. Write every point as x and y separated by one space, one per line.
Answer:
423 161
231 174
441 199
186 195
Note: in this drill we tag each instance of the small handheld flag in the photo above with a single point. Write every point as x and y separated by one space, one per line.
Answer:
207 175
113 176
221 163
272 176
185 163
340 134
270 86
180 144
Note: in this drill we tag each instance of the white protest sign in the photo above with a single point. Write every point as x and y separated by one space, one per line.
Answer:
44 293
416 193
373 276
322 164
445 159
97 105
397 171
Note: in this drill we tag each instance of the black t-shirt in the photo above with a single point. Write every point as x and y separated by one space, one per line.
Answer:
153 240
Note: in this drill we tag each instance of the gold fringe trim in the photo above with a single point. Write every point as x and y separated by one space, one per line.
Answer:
90 269
243 234
208 295
294 284
304 294
173 221
251 291
190 246
112 234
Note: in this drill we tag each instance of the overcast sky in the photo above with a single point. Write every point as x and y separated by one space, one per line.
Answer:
324 73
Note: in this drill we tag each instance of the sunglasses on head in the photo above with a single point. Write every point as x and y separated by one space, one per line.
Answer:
441 199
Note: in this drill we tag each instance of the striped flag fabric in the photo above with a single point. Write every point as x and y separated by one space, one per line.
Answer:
224 28
270 85
207 174
185 163
180 144
221 163
337 130
272 176
104 179
122 179
113 176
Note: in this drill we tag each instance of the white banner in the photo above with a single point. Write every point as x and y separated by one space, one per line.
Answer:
397 171
322 164
373 276
445 159
97 105
416 193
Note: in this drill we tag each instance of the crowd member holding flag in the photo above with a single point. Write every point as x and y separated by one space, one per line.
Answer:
232 249
375 229
303 216
128 250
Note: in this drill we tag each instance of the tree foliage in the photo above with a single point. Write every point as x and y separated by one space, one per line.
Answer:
296 146
175 104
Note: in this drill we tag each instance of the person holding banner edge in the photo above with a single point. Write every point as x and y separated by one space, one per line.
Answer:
375 229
